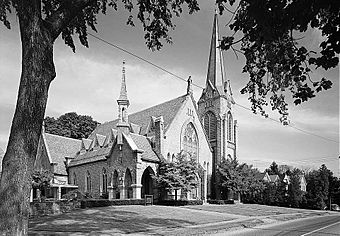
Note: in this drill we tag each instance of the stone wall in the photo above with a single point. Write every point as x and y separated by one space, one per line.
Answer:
52 208
95 169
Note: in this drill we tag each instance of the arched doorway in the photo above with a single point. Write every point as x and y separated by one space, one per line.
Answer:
147 182
115 182
128 182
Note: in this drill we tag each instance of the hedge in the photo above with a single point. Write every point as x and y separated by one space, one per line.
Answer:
181 202
220 202
88 203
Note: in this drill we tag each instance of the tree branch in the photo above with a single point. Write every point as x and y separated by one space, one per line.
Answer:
68 10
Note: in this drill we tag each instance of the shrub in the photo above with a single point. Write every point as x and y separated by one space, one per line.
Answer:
220 202
182 202
89 203
75 195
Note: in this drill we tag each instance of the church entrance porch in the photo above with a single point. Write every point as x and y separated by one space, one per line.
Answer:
147 182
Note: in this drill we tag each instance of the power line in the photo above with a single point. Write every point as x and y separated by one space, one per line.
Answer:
141 58
181 78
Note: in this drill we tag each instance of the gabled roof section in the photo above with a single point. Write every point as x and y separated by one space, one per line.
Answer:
91 156
60 147
142 118
86 144
143 144
100 139
274 178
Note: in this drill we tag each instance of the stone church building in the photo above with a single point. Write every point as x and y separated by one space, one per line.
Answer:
118 159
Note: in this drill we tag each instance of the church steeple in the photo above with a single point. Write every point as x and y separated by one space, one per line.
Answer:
215 108
123 104
123 92
216 72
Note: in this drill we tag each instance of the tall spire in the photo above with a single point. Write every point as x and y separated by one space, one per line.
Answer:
123 104
216 72
123 91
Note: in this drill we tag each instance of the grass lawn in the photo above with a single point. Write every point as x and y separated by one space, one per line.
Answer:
248 209
151 219
125 219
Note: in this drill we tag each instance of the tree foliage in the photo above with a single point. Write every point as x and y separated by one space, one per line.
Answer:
41 22
276 62
294 192
239 178
71 125
318 187
41 179
74 17
181 173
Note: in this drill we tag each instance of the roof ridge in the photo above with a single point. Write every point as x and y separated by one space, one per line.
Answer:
78 140
149 108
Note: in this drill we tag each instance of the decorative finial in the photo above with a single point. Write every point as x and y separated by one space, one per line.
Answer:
189 87
123 70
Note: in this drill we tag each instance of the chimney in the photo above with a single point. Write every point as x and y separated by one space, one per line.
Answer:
159 135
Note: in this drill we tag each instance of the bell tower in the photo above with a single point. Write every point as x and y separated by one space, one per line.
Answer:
123 104
215 110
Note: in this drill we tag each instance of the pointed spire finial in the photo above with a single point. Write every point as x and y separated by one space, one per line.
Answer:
216 73
123 70
123 91
189 87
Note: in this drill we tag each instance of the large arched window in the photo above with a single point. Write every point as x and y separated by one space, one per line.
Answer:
190 140
210 125
230 127
88 182
104 181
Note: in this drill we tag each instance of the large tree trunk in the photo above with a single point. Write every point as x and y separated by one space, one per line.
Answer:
37 73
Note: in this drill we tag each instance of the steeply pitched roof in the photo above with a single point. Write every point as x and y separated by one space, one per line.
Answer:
167 109
143 144
60 147
91 156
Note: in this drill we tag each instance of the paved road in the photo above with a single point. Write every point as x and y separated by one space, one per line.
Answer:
315 226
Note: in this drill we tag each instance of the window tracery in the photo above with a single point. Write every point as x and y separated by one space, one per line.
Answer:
190 140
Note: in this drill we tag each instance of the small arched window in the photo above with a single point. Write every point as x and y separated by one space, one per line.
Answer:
230 127
104 181
210 125
74 179
88 182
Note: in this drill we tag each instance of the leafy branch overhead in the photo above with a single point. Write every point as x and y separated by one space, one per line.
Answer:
74 17
276 62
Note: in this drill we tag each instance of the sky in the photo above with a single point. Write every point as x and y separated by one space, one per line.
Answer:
88 82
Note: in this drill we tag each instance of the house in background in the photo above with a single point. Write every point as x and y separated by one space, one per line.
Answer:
53 154
303 183
263 176
274 179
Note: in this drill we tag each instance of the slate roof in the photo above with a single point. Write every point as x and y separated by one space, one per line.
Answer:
58 148
143 144
91 156
142 118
